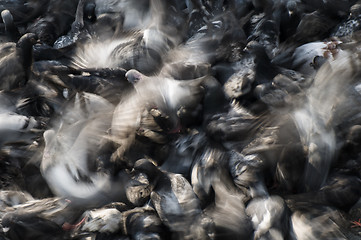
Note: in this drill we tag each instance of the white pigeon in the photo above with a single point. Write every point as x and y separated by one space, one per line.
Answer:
65 162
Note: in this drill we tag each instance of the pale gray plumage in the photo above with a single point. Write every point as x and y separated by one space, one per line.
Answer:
305 55
269 217
17 128
318 116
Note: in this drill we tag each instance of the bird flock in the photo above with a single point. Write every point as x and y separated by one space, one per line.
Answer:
180 119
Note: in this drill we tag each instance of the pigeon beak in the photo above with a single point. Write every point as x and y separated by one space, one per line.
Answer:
34 40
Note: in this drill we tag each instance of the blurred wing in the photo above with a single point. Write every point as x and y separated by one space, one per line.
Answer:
126 120
315 120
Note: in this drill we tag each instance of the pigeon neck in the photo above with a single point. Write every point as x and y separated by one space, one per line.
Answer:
26 48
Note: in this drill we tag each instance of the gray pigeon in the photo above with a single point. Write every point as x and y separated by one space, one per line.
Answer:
176 204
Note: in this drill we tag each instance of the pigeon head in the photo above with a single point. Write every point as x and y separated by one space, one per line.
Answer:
291 7
7 18
133 76
25 45
89 12
27 40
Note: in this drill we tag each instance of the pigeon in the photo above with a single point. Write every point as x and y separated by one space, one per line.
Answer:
19 57
319 116
287 15
183 152
331 7
143 223
309 57
24 12
176 203
234 127
67 148
247 174
54 22
204 172
241 84
228 210
17 128
73 153
312 27
38 219
317 222
135 50
132 42
340 192
138 223
102 220
9 198
266 34
269 217
136 15
349 25
165 94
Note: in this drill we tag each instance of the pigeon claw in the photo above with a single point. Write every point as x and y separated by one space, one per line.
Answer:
68 227
356 223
